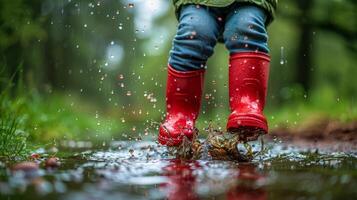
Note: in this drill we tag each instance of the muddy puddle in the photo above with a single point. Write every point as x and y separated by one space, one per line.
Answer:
145 170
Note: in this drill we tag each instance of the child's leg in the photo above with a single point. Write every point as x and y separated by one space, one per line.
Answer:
194 42
245 30
195 39
245 37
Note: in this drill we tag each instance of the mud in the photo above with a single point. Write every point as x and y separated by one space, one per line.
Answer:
322 133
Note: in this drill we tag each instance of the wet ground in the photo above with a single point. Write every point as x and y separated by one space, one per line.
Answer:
145 170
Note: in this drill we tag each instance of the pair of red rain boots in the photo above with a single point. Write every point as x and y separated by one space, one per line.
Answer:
248 79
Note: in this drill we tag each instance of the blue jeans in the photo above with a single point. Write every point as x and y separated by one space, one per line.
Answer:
242 27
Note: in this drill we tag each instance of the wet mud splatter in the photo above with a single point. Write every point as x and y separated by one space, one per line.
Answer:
217 145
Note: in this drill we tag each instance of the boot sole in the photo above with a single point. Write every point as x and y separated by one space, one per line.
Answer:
248 133
248 128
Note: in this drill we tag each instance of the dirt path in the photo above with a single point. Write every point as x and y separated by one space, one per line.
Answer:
323 134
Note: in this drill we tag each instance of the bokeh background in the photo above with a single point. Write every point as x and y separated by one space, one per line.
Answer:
79 69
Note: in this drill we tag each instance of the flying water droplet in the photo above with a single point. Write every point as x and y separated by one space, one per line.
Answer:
282 56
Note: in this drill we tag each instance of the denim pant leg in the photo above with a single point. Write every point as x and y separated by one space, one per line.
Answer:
195 39
245 29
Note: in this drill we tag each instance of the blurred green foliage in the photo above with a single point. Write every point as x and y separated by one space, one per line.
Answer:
98 68
20 23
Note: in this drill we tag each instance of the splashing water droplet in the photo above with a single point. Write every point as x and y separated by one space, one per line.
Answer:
282 57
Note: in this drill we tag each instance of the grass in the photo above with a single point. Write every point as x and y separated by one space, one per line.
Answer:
13 138
323 103
57 116
13 141
29 119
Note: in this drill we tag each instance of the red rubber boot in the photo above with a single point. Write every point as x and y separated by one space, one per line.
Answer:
183 102
248 80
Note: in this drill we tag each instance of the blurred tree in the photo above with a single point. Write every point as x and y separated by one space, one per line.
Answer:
339 17
20 26
304 51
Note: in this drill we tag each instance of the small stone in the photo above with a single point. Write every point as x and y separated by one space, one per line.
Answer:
25 166
29 169
52 162
35 156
